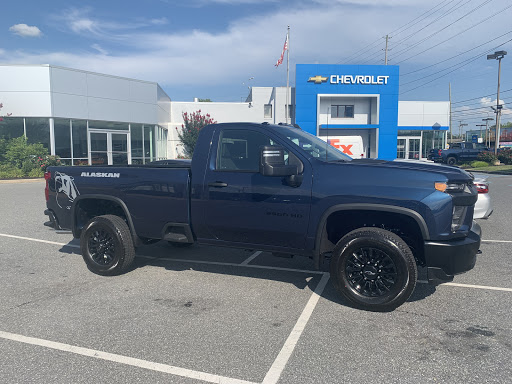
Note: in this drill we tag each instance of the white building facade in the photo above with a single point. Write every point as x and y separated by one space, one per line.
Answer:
92 118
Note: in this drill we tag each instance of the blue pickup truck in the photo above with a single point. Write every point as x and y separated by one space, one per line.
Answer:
279 189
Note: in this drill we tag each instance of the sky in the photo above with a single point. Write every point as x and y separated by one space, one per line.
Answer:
218 49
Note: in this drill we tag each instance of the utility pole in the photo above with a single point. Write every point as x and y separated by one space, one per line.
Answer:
287 107
487 135
386 51
498 55
450 95
460 129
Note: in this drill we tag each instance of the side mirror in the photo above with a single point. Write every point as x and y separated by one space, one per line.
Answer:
272 162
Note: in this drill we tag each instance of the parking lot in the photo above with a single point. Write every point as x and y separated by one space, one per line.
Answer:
206 314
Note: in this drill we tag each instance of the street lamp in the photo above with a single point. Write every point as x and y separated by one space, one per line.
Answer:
498 55
487 134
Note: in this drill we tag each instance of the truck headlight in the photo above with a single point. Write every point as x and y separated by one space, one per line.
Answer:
450 187
459 214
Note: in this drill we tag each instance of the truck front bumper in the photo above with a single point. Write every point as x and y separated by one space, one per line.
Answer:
445 259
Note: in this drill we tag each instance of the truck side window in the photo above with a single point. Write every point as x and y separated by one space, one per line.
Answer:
239 150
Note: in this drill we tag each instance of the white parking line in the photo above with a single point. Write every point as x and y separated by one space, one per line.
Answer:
123 359
496 241
251 258
284 355
40 241
472 286
244 264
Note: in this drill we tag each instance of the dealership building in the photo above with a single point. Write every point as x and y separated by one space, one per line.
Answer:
92 118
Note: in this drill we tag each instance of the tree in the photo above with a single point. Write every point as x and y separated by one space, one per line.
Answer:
204 100
9 114
193 123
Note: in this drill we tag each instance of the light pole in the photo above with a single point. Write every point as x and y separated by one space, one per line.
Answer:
498 55
487 135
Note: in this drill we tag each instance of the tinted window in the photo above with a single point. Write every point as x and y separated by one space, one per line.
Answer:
239 150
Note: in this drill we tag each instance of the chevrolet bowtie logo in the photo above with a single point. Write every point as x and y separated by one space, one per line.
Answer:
317 79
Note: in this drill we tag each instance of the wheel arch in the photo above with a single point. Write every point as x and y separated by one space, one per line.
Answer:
379 211
82 212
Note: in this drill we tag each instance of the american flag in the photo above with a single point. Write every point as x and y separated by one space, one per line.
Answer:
280 60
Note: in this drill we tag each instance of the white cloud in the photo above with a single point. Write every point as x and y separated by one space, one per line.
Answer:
98 48
249 46
25 30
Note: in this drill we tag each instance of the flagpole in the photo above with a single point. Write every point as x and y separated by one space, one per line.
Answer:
287 106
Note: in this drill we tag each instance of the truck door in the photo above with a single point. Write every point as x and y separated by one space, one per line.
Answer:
246 207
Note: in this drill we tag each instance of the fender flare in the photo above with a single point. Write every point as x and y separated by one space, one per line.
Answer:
366 207
116 200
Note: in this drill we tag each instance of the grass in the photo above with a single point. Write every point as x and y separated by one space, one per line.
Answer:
498 169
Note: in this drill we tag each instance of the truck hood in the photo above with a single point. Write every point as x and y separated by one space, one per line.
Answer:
451 173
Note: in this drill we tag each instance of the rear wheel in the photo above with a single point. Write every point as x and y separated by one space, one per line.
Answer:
107 245
374 269
451 160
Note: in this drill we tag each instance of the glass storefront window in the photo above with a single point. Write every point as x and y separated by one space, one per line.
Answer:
79 129
38 131
11 127
62 131
95 124
149 143
136 141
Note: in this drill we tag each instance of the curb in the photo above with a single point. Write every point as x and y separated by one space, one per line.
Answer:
20 181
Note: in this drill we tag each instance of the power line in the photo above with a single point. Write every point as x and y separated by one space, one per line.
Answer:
401 52
449 11
475 98
453 57
467 61
460 66
467 29
362 50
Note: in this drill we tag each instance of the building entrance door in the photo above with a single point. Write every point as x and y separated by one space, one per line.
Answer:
408 148
109 147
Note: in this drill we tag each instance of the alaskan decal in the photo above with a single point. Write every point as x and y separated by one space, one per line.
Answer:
65 184
100 174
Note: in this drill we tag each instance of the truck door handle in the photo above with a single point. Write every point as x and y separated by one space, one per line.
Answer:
218 184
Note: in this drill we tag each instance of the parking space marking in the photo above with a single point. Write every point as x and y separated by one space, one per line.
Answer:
471 286
251 258
40 241
496 241
210 378
284 355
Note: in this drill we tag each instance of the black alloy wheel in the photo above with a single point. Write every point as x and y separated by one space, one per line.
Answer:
371 272
373 269
107 245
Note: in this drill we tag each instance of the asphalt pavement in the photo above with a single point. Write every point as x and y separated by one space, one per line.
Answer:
208 314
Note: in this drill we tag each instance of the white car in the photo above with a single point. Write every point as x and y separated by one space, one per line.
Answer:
483 207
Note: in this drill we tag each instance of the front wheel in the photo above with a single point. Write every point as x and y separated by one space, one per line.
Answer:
107 245
374 269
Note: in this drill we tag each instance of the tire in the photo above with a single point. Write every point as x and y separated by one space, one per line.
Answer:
382 261
107 245
451 160
180 245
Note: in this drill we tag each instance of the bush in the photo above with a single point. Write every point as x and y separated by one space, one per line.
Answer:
43 162
487 156
505 156
19 151
479 164
35 173
8 171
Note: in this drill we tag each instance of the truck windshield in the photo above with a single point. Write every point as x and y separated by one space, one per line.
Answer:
314 146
